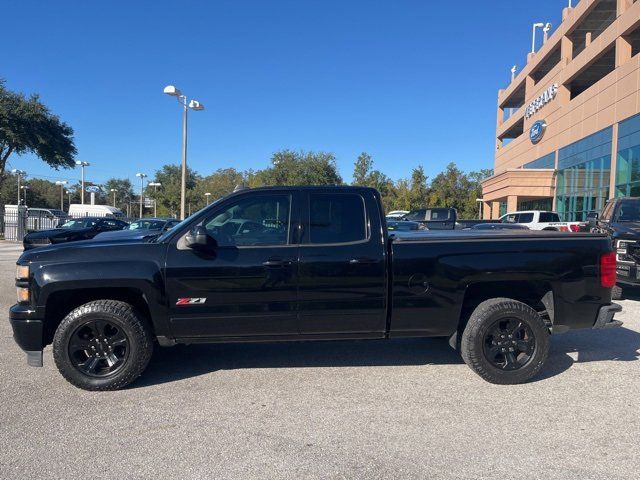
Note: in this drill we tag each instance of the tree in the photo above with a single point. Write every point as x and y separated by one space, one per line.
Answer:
298 168
27 126
168 196
124 194
364 175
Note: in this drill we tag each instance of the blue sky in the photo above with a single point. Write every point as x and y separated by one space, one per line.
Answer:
340 76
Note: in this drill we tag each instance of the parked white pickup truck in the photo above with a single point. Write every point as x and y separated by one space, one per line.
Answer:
541 220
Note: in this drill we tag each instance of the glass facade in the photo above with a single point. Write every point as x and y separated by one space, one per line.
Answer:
628 161
548 161
584 168
538 204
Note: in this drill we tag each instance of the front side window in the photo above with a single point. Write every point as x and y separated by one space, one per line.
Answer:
252 221
511 218
628 211
415 215
336 218
525 218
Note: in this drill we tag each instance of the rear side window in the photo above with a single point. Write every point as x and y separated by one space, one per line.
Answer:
547 217
525 218
336 218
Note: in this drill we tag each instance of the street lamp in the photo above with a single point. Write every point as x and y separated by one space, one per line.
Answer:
545 30
193 105
155 186
533 38
114 190
208 195
25 188
20 174
142 177
82 165
62 183
68 192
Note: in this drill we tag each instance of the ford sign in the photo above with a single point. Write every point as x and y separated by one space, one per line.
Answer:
92 189
537 131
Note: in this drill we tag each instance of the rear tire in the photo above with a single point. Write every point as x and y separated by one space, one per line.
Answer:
505 341
616 293
102 345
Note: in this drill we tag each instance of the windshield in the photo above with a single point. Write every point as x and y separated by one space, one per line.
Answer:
79 223
629 211
147 225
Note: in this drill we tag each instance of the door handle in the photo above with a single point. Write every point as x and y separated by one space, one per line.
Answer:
276 263
362 261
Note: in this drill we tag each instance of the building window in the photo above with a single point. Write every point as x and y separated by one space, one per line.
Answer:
548 161
628 165
584 169
537 204
503 209
596 71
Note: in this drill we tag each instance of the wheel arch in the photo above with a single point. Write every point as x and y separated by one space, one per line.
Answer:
60 303
537 294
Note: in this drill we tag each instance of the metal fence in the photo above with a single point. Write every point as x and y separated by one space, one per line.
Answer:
17 221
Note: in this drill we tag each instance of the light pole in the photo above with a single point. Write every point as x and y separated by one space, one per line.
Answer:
20 174
193 105
68 192
114 190
25 188
155 186
82 165
208 195
142 177
480 201
62 183
533 37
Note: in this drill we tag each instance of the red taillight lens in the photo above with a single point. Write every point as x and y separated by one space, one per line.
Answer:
564 229
574 227
608 270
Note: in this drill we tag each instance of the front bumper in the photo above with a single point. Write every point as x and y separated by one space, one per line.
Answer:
28 332
605 316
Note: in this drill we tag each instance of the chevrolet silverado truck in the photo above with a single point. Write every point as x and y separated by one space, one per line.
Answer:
308 263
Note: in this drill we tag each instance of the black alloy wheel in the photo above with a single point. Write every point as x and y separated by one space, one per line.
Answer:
98 348
509 344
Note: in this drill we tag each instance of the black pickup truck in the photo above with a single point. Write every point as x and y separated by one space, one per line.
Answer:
620 219
308 263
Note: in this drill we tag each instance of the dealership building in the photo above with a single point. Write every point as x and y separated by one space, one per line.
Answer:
568 126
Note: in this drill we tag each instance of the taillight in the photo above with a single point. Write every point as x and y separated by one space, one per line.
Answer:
563 229
574 227
608 270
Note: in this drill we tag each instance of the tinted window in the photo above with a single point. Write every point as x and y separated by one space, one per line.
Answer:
440 214
415 215
628 211
111 225
547 217
525 218
336 218
252 221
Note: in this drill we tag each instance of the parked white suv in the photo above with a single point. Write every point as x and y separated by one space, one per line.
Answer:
541 220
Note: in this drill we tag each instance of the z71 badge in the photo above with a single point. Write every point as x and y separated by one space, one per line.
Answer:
191 301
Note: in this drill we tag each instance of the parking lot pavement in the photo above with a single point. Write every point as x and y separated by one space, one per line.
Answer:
397 409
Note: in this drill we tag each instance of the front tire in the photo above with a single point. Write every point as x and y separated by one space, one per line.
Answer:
505 341
102 345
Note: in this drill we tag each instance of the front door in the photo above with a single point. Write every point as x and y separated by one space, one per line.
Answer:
342 286
246 285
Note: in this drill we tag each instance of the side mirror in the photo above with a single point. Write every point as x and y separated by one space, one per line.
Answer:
199 238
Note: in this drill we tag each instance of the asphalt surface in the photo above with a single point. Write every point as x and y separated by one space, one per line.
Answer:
397 409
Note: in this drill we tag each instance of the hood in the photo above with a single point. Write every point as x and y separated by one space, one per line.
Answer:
626 229
125 234
91 248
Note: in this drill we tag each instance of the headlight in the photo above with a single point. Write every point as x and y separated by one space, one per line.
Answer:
22 272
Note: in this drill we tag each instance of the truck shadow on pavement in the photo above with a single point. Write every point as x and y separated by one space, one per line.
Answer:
181 362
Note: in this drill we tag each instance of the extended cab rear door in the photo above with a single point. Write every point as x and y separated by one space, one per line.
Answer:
342 264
